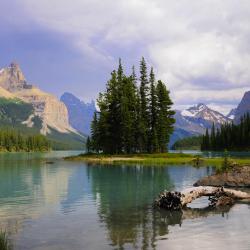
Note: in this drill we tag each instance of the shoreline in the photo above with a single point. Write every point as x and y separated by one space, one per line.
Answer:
157 159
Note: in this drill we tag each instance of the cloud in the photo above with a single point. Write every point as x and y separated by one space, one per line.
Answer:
201 49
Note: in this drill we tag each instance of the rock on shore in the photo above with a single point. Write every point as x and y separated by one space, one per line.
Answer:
236 177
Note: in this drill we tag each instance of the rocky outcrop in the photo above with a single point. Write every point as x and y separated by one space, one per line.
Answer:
12 78
52 112
236 177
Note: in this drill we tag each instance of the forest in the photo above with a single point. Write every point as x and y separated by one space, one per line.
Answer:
13 141
229 136
189 143
135 114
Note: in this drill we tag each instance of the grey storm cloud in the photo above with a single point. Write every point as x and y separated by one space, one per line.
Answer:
200 48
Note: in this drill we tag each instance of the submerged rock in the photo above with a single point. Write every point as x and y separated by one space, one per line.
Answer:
235 177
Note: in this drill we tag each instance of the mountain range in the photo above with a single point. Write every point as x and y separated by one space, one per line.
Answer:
25 106
189 122
67 121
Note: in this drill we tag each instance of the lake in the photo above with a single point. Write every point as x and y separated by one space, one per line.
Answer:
47 203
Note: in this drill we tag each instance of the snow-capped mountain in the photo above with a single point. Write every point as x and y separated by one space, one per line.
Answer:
201 111
195 120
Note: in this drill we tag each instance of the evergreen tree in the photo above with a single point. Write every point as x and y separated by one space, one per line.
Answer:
153 114
229 136
95 136
144 107
165 120
128 111
88 145
131 119
13 140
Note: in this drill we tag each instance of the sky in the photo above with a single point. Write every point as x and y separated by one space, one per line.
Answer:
199 48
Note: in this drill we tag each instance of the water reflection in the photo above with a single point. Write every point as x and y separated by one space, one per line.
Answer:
125 206
71 205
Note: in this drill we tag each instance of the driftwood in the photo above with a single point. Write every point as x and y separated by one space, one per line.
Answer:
218 196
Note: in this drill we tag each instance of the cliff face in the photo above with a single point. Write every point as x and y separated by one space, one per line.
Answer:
52 112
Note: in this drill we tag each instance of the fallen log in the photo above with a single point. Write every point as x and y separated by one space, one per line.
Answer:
218 196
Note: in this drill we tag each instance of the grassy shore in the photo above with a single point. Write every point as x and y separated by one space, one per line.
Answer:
163 158
5 242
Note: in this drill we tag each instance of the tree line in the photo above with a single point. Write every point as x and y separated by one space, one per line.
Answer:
12 140
193 142
134 115
229 136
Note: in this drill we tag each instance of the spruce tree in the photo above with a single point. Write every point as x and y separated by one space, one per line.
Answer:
88 145
132 119
165 120
154 147
95 137
144 107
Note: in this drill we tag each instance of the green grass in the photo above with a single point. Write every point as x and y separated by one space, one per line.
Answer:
5 243
158 159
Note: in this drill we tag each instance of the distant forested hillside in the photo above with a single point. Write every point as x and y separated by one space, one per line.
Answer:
189 143
14 114
13 141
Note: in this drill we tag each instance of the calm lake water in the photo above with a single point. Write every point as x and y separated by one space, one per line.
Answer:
73 205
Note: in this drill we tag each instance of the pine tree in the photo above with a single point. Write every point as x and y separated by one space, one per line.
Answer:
144 107
95 136
131 119
137 122
165 121
212 137
88 145
154 147
128 112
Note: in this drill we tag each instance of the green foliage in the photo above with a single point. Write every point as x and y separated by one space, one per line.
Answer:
5 243
65 141
193 142
132 118
12 140
165 120
14 111
229 136
88 145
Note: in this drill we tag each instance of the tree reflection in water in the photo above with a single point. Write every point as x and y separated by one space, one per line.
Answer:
125 206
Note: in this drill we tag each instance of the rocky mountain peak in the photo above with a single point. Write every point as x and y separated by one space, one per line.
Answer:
202 111
70 99
243 107
12 78
48 108
201 106
80 113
